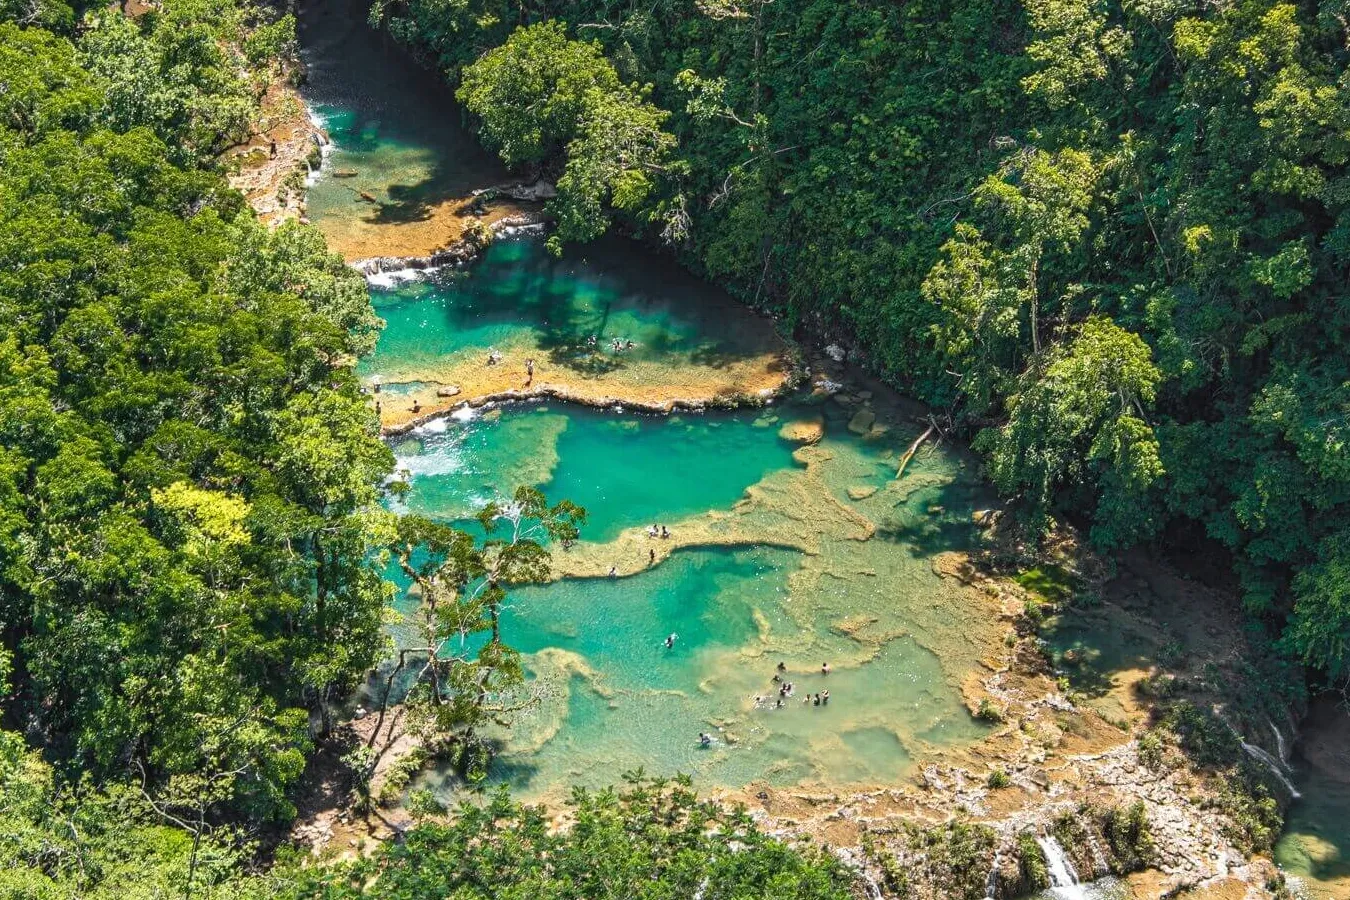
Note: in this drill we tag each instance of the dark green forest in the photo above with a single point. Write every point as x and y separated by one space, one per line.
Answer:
1106 241
1110 240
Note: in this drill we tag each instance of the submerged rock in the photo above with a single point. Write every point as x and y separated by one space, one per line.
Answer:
862 421
861 492
803 431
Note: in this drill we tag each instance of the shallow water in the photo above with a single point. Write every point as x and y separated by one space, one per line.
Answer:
1315 846
393 123
681 340
898 637
781 552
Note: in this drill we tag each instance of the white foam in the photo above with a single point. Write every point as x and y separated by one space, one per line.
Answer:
464 414
435 426
395 277
325 146
1063 879
445 459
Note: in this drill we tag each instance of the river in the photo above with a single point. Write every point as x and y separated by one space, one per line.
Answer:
791 541
783 551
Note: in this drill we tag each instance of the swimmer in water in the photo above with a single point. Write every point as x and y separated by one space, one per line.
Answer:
824 668
704 739
670 641
613 571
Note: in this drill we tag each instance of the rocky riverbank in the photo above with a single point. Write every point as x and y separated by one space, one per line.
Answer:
1139 797
285 147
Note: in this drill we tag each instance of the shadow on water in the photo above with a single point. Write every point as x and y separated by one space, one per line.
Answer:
385 101
1315 846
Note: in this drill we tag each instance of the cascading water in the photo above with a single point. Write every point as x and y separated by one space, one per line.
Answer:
1279 743
1063 879
991 883
1272 764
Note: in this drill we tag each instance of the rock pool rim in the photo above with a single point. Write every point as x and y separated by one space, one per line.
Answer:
796 376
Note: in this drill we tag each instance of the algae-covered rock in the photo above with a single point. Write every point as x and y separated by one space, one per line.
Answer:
862 421
803 431
861 492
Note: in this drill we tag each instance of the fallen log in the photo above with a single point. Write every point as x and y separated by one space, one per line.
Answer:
913 448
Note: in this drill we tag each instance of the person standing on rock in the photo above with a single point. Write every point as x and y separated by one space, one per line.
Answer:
529 372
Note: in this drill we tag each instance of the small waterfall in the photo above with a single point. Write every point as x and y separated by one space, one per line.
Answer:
991 883
1279 744
1272 764
1063 879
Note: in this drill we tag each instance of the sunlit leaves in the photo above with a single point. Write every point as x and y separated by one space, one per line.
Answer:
540 96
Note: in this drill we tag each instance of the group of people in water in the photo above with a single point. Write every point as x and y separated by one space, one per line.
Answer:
618 345
786 690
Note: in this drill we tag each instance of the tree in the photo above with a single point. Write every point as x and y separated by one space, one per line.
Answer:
470 675
189 473
651 839
541 96
1078 419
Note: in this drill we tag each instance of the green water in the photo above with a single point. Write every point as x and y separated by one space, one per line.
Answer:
519 294
1315 846
614 698
625 470
798 555
392 122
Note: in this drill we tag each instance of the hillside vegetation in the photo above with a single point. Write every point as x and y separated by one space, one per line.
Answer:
1109 238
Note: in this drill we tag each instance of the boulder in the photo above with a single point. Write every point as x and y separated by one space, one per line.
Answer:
862 421
448 391
861 492
803 431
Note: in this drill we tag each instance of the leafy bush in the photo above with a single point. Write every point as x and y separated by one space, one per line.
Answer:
620 844
988 712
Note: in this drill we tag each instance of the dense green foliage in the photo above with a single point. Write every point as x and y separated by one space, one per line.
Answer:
1109 237
59 842
466 673
541 94
651 841
187 466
